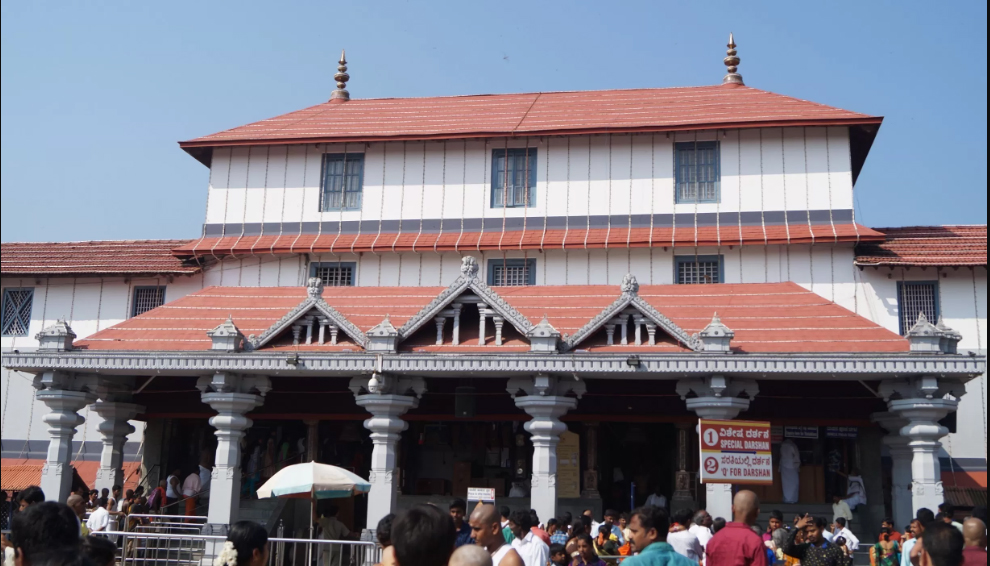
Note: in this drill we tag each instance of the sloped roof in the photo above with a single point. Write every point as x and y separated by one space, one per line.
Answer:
777 317
76 259
18 475
950 246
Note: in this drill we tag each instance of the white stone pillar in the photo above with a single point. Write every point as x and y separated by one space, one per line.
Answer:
385 397
718 398
232 397
545 402
115 429
902 455
62 420
923 402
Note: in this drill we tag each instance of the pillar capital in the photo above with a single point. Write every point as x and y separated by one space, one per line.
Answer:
114 429
62 419
718 397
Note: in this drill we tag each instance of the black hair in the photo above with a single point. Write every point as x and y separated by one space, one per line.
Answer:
718 524
116 488
821 523
604 530
534 517
566 518
841 521
423 536
611 513
840 541
683 517
247 537
777 514
940 517
557 549
626 516
521 518
504 511
654 518
944 544
578 528
129 494
45 527
32 496
587 522
100 551
458 504
947 509
926 517
587 540
331 510
384 530
553 523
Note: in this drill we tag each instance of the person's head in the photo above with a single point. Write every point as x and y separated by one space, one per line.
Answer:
916 528
947 509
486 527
779 537
558 555
815 531
611 517
776 520
565 518
458 508
77 504
702 519
330 511
43 528
470 555
30 496
718 524
520 523
94 496
586 549
942 545
624 521
840 523
552 526
139 491
682 518
588 513
604 531
100 551
887 525
247 545
384 531
129 495
534 518
423 536
746 508
578 529
116 491
975 533
163 484
504 512
926 517
836 498
647 526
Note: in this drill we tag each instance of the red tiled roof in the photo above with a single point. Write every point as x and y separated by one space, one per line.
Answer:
777 317
606 111
19 474
131 257
596 238
927 245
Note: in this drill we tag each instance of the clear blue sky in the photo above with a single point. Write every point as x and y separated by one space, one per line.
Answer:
96 94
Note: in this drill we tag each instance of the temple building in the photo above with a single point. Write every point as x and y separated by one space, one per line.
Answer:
535 293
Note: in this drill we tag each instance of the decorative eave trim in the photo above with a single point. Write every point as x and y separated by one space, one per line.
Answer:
605 365
300 311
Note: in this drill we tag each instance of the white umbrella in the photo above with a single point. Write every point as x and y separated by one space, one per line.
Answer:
313 481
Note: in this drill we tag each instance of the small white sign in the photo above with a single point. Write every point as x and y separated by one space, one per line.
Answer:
482 494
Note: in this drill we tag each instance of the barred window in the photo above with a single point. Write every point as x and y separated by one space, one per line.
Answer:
16 316
513 178
146 299
334 274
914 298
697 172
511 272
343 177
694 270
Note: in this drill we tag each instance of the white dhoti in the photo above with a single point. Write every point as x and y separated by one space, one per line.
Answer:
790 480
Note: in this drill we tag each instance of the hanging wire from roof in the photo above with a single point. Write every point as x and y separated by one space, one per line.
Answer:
341 77
732 62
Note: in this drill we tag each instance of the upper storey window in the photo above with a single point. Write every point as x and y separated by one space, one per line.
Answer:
336 274
147 298
343 178
513 178
914 298
511 272
17 305
698 270
697 172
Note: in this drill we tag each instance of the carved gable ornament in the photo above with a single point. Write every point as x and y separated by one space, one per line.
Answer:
314 321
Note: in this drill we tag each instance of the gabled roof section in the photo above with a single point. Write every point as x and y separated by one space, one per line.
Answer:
98 258
630 298
948 246
314 301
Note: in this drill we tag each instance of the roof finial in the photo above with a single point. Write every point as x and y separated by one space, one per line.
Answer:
341 77
732 62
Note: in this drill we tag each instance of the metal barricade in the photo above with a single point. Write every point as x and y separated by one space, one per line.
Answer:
160 549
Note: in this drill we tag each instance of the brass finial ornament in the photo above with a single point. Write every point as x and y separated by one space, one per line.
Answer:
732 63
341 77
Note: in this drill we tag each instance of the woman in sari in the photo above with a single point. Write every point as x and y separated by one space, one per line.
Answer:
886 552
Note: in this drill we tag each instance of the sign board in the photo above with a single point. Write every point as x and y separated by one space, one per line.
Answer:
801 432
482 494
849 432
736 452
569 466
776 434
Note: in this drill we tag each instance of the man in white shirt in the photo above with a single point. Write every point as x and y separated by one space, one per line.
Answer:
841 509
532 550
99 519
190 490
702 527
657 499
840 530
682 539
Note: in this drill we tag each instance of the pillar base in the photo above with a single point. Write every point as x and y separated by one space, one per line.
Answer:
719 503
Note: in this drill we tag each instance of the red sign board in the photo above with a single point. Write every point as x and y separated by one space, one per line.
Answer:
736 452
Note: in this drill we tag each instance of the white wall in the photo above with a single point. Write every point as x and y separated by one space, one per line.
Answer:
769 169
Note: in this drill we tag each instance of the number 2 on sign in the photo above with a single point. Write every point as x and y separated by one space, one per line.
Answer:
711 466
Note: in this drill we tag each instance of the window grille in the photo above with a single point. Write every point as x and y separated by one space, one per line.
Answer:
697 172
343 177
17 304
518 187
914 298
511 272
335 274
147 298
694 270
